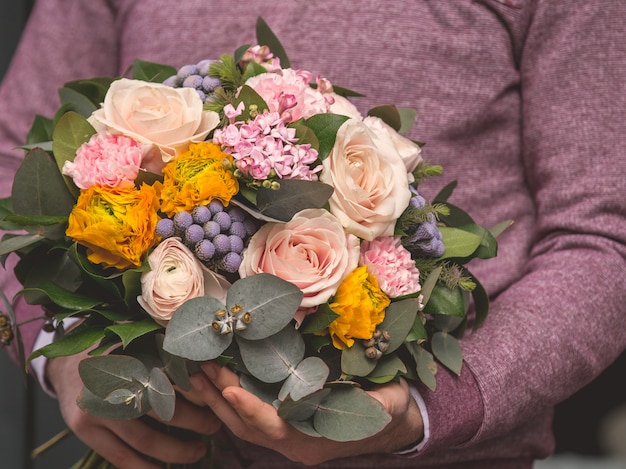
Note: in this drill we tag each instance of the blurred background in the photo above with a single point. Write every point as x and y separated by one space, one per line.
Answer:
590 427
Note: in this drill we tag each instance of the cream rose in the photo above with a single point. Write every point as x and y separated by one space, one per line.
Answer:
343 106
369 178
176 276
312 251
410 152
163 118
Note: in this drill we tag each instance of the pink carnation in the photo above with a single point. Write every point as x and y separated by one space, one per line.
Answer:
289 94
105 160
392 265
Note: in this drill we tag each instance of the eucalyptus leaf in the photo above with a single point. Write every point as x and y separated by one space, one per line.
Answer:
348 414
398 322
307 377
40 131
271 302
293 196
319 320
424 365
302 409
429 284
161 394
104 374
98 407
387 368
190 333
274 358
267 392
448 351
266 37
129 331
325 127
175 367
94 89
354 362
418 331
80 103
304 426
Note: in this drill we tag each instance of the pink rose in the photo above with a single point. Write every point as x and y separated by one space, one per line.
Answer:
410 152
369 178
289 94
392 265
312 251
176 276
105 160
165 118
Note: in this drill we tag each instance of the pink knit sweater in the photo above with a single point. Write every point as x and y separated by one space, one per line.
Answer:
523 103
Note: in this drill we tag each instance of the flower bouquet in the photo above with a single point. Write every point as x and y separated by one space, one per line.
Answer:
244 211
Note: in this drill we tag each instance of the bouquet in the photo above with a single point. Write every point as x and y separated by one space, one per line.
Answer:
244 211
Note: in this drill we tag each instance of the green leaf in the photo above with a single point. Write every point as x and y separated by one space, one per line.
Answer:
175 367
40 131
253 69
488 247
447 301
418 331
305 134
190 334
302 409
39 188
94 89
15 243
425 365
271 302
354 362
161 394
130 331
266 37
251 100
151 71
399 319
445 193
448 351
267 392
456 216
319 320
65 298
75 341
481 303
500 228
99 407
78 102
429 284
387 368
293 196
388 114
105 374
348 414
308 377
272 359
407 118
241 50
325 127
459 243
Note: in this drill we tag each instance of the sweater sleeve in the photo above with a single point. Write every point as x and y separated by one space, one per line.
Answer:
49 54
563 321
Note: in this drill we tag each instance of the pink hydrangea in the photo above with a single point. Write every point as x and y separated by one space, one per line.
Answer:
289 94
392 265
105 160
265 148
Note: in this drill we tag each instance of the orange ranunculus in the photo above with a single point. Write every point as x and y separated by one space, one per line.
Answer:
360 304
116 225
196 177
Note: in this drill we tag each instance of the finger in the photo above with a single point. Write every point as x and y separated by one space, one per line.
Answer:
154 443
188 416
393 396
220 376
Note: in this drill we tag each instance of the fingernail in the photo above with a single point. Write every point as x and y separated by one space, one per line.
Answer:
210 370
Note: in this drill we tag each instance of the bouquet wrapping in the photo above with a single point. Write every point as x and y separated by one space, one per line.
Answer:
243 211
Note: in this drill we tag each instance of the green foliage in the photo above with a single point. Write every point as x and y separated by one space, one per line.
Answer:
152 72
266 37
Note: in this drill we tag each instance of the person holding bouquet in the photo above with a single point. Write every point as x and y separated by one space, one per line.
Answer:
519 100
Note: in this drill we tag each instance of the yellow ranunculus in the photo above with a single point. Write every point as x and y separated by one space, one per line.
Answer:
360 304
196 177
116 225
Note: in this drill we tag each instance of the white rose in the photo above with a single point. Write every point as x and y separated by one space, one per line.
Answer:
343 106
410 152
163 118
369 178
176 276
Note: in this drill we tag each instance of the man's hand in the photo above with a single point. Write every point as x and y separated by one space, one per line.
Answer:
252 420
124 442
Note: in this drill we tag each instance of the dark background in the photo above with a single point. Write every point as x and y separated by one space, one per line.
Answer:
28 417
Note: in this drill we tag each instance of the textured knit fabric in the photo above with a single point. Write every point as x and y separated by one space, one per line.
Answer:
523 103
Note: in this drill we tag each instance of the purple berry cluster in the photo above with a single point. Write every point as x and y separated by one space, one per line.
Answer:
217 235
195 76
423 238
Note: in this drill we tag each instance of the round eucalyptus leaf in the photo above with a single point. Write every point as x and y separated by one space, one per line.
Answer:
304 426
448 351
175 367
98 407
387 368
348 413
303 409
190 333
354 362
272 359
161 394
267 392
308 377
104 374
399 319
425 365
120 396
271 302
